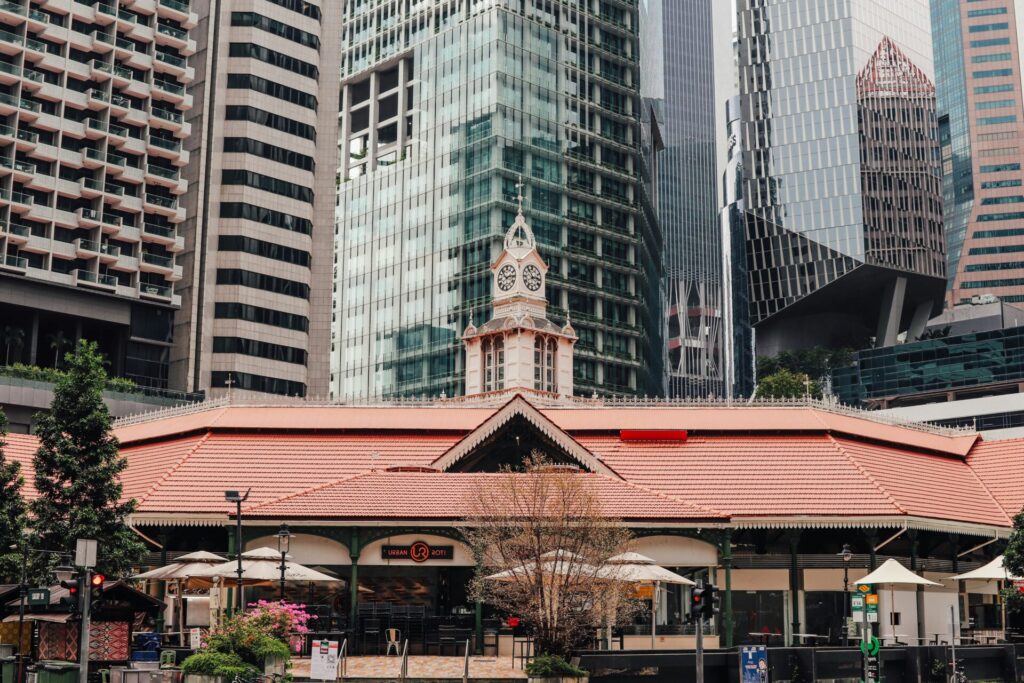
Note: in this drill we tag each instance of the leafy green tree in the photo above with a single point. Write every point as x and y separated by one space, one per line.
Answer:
815 362
786 384
12 511
1013 561
77 468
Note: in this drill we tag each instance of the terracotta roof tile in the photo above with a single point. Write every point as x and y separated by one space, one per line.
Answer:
448 495
20 448
1000 467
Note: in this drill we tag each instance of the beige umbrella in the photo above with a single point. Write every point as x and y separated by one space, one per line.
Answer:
892 573
553 563
993 571
640 569
262 566
179 572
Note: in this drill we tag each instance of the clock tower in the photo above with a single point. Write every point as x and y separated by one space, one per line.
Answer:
519 349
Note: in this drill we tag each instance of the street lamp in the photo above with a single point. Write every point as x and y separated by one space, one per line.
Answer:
284 538
237 498
847 555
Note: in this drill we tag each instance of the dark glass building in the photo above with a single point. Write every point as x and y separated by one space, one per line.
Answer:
841 171
449 111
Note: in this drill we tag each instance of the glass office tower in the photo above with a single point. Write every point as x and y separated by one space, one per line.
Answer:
447 107
981 122
841 173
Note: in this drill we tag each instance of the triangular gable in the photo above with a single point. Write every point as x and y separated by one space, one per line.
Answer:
520 407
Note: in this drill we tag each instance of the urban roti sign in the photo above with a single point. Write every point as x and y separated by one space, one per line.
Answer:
417 551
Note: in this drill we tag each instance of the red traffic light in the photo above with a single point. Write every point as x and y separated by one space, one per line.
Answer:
96 581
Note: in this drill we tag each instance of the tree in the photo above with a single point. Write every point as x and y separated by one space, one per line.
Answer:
12 511
786 384
544 532
1013 562
77 468
816 362
14 337
58 340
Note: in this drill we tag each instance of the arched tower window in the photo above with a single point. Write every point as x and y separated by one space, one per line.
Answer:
544 354
494 363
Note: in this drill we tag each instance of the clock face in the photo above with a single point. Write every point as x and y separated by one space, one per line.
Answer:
506 277
532 278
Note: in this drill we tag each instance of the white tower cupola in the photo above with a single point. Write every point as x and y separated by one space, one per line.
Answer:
519 348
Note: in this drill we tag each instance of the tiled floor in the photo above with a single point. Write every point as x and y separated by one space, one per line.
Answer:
420 667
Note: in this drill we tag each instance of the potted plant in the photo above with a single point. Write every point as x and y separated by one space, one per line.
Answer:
554 669
216 667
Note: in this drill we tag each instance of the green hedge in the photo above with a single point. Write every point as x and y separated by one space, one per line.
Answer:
38 374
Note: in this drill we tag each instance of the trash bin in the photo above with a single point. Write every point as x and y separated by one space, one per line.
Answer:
56 672
8 669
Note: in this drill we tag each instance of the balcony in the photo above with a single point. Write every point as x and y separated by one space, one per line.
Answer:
161 292
27 139
9 73
111 224
165 173
16 233
161 202
90 249
170 60
90 187
87 217
111 188
23 170
172 116
101 71
105 14
16 263
22 198
97 280
92 158
117 130
11 43
152 263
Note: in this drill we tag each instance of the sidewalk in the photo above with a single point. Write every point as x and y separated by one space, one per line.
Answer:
422 667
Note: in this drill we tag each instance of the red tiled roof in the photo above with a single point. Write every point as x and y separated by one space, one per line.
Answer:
273 465
448 496
1000 467
21 448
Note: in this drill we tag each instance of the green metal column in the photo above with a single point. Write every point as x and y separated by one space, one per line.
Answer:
161 586
228 597
727 617
919 590
873 557
794 582
479 627
353 551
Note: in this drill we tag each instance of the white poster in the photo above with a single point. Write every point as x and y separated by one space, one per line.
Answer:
195 638
323 665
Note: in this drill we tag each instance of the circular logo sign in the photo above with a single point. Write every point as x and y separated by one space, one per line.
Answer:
419 552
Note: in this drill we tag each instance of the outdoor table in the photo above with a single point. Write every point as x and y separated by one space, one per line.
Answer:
764 636
810 636
936 637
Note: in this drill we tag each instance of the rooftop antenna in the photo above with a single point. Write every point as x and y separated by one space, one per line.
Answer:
229 382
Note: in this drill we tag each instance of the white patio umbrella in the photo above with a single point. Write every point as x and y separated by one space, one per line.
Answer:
892 573
262 566
993 571
641 570
178 572
553 563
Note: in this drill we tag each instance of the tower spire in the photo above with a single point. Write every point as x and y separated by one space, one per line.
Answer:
519 197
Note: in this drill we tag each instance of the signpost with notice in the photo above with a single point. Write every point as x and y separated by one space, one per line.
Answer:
323 665
865 601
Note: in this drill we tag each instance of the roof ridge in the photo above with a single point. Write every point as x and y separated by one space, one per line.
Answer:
311 489
174 468
988 492
881 489
666 496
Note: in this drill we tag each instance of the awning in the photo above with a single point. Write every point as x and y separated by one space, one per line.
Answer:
52 618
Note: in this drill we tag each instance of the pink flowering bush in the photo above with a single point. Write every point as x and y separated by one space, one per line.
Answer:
277 619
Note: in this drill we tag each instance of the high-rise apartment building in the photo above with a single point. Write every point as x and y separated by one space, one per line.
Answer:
256 288
981 122
842 187
450 109
92 116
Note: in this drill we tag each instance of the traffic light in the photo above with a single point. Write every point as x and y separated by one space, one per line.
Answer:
96 587
70 600
710 602
697 599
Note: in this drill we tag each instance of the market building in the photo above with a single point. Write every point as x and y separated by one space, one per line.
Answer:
758 498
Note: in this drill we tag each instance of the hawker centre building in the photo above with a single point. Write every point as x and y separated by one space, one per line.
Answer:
758 498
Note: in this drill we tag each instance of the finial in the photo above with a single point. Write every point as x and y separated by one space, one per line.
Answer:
519 197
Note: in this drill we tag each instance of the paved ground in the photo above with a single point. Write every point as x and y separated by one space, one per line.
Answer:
421 667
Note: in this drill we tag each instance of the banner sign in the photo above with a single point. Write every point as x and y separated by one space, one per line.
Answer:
754 664
39 596
420 551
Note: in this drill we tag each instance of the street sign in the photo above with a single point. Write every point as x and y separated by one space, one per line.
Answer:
857 603
38 596
754 664
871 646
863 587
873 669
85 553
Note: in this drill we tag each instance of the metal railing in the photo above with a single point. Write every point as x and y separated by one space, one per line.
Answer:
465 664
343 660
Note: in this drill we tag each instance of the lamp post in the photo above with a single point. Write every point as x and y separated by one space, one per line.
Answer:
284 537
847 555
237 498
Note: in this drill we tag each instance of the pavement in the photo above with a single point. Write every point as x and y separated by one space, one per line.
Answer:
421 667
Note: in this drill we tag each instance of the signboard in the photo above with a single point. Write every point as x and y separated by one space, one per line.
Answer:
857 603
1019 584
85 553
419 551
323 665
38 596
754 664
873 669
863 587
195 638
643 592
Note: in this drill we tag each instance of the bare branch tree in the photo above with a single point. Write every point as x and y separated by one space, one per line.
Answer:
542 544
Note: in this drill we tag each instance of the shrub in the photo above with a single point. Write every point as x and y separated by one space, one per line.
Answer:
278 619
224 664
38 374
551 666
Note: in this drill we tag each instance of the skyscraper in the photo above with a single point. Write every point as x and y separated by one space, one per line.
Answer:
841 176
256 286
981 122
688 78
92 116
445 107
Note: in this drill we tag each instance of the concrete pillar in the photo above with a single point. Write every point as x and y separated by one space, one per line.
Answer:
33 339
919 593
920 319
478 609
890 312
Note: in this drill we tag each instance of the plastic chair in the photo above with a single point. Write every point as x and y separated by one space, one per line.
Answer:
168 659
394 636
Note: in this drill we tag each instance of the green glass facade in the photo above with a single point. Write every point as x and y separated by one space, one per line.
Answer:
442 113
932 366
